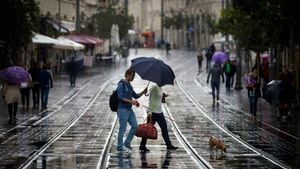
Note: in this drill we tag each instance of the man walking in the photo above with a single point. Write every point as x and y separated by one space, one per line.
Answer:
125 112
216 73
72 69
46 83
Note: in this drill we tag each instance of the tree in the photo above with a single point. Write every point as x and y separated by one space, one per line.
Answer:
107 17
18 19
259 25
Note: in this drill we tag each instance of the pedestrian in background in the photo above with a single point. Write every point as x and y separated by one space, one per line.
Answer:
233 72
168 47
212 48
11 93
25 92
156 98
228 74
216 73
72 68
200 59
34 72
46 82
253 87
125 112
208 56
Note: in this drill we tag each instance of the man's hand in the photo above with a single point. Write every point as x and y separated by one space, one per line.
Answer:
135 103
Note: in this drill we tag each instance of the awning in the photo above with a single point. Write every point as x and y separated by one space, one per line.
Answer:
65 26
60 43
131 32
69 44
147 33
43 40
86 39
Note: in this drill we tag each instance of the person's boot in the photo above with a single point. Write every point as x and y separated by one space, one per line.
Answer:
144 149
171 147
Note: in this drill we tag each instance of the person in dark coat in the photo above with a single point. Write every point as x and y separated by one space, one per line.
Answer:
72 70
286 91
168 47
216 73
200 59
34 72
46 82
208 56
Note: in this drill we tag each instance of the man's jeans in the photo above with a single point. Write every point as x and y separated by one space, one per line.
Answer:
215 86
44 96
125 116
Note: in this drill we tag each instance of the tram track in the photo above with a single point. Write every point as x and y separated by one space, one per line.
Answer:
63 130
257 152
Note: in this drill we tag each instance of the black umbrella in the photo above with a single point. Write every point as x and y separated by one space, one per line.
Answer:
271 92
154 70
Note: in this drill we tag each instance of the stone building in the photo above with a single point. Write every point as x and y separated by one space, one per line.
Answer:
148 14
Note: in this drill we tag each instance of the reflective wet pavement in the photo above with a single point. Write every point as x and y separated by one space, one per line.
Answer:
74 131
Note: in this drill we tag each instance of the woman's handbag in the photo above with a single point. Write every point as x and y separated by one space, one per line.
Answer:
147 130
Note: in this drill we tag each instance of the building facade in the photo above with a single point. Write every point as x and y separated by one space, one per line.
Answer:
196 34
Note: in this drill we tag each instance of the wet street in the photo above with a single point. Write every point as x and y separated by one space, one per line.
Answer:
79 131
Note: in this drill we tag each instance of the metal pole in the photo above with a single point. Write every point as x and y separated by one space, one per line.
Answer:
227 36
77 16
238 79
59 19
126 7
162 21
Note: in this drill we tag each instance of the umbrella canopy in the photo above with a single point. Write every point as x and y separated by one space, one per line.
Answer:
115 38
15 75
271 92
154 70
219 57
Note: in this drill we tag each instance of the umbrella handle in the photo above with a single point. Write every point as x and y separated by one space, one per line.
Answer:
147 94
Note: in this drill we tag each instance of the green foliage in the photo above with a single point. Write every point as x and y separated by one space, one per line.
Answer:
258 25
107 17
178 20
18 19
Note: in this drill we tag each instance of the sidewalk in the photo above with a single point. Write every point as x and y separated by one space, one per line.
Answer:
61 87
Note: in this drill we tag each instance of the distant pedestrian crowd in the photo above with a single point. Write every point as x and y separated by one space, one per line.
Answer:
39 82
225 72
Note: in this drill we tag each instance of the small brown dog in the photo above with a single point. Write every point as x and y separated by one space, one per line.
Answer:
217 144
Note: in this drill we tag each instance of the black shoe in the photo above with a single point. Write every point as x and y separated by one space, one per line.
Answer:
171 147
144 149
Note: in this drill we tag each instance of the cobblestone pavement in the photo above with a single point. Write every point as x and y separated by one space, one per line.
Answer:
73 133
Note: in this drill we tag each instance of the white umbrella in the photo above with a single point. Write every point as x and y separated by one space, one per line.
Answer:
115 38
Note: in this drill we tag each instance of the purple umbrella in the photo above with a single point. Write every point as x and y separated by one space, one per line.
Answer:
15 75
219 57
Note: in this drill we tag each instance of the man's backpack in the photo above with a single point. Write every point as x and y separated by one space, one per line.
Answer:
114 101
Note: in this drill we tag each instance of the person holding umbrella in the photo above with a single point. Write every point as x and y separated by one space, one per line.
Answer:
13 77
125 112
155 70
156 98
12 95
